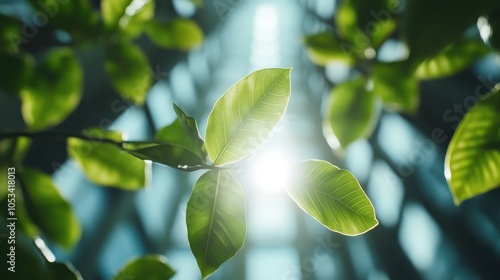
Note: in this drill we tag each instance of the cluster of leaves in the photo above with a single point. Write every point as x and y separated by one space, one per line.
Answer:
50 88
240 122
438 46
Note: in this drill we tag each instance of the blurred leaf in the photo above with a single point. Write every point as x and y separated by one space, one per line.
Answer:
246 114
442 26
452 59
10 36
351 112
152 267
170 154
365 23
322 48
128 69
54 92
471 167
63 271
181 34
75 16
494 22
16 72
107 165
332 196
397 88
128 16
215 220
48 209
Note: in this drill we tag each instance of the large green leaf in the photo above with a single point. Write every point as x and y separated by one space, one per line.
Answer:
171 154
397 88
129 71
48 209
351 112
444 23
452 59
106 164
181 34
332 196
128 16
323 48
215 220
151 267
55 90
245 116
472 166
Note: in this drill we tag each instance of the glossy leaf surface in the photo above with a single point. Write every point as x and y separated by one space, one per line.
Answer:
472 164
245 116
215 220
332 196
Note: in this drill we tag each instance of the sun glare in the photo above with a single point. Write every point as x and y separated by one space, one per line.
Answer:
270 172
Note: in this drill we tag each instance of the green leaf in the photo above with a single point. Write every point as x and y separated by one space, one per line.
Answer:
322 48
442 25
152 267
170 154
332 196
127 16
181 34
75 16
191 127
63 271
54 91
10 36
471 167
452 59
106 164
19 72
48 209
396 87
245 116
351 112
215 220
128 69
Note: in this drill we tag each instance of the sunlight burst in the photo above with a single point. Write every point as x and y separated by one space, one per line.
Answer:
270 172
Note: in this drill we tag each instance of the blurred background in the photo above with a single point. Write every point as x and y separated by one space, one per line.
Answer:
422 234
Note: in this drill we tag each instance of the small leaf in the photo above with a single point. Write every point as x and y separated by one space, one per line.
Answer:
322 48
191 127
106 164
397 89
128 69
170 154
471 167
332 196
215 220
245 116
452 59
151 267
48 209
181 34
351 112
127 16
54 91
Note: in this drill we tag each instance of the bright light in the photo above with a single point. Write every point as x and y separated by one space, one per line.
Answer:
270 172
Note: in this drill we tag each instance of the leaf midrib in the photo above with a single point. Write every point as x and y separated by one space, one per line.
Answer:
246 119
209 237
